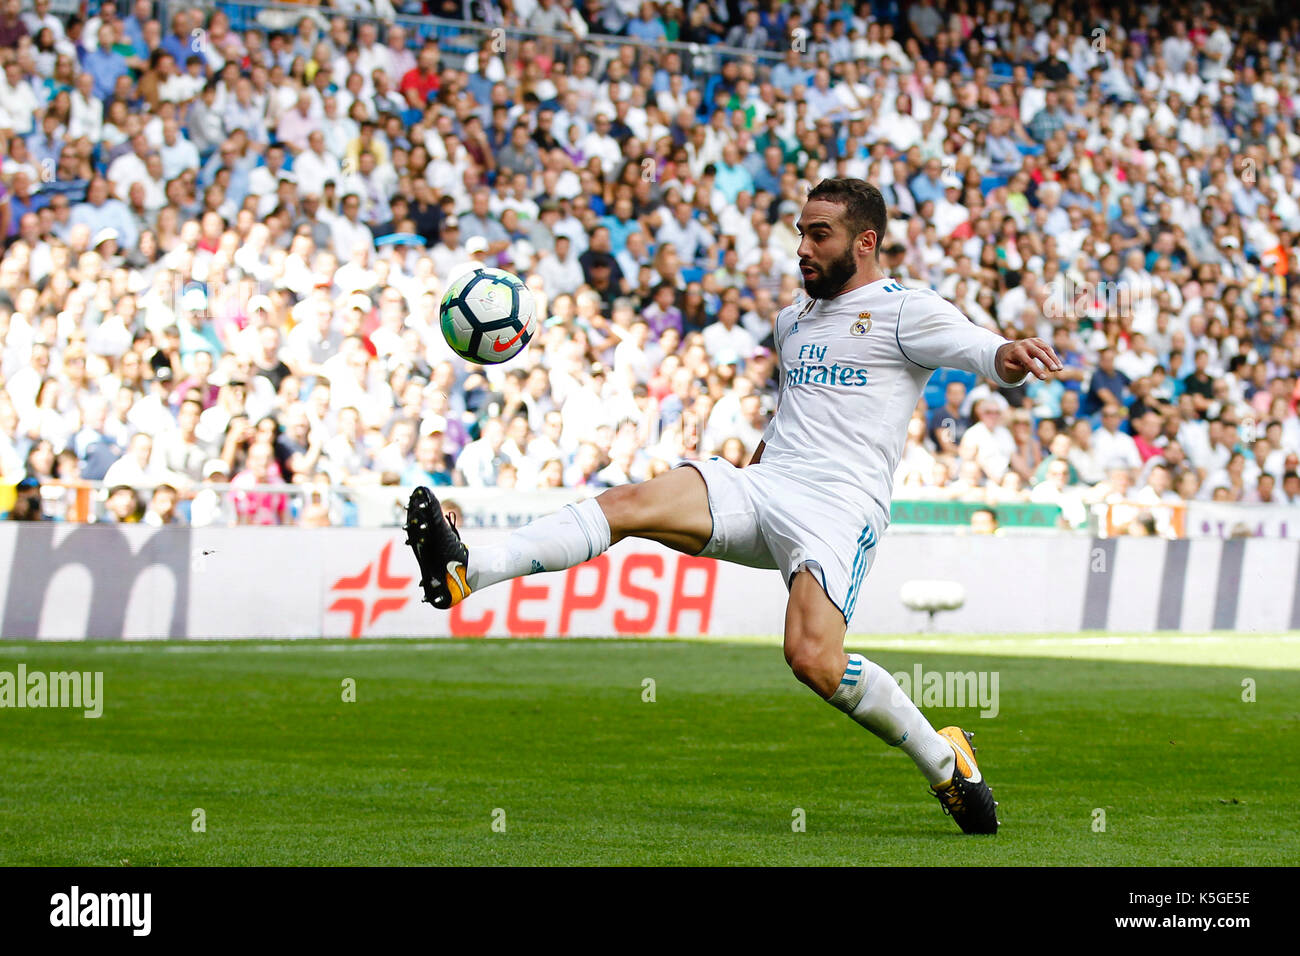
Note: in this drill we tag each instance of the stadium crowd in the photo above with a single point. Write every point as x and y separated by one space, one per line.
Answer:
224 249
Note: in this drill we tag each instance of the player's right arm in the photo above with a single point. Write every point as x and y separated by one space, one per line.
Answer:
758 453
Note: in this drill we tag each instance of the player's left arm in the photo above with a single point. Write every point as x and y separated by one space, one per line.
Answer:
933 333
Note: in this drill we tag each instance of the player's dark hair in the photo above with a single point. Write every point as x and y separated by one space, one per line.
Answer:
864 206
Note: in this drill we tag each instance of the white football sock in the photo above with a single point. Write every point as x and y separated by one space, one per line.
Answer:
574 534
872 697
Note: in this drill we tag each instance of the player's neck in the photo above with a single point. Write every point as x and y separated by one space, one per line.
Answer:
863 277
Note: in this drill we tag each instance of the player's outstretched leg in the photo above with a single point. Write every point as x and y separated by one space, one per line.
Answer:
672 508
814 649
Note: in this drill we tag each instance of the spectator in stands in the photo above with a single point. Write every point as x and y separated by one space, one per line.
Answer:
988 442
162 507
137 467
984 521
253 506
1111 443
122 505
27 504
1108 385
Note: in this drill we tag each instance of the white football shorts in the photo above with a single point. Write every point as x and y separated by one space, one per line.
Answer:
766 518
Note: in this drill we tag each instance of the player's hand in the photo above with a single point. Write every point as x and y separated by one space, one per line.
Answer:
1024 357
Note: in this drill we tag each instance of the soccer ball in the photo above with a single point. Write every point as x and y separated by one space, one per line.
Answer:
488 316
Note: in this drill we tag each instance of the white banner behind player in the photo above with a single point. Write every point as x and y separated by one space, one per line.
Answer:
132 582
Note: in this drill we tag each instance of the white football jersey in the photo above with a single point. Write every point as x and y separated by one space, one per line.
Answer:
852 370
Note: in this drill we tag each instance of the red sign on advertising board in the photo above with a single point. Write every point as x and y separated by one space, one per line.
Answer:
637 593
648 581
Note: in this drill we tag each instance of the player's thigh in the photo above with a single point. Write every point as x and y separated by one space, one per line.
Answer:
832 538
671 508
814 634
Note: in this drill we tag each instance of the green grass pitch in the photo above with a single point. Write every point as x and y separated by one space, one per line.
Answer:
553 742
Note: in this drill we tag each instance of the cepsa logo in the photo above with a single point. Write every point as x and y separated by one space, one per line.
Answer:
646 591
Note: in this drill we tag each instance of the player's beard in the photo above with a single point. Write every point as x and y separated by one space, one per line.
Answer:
831 279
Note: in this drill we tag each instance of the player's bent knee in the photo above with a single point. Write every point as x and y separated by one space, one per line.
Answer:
815 665
624 508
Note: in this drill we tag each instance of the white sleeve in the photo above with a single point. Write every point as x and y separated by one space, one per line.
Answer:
933 333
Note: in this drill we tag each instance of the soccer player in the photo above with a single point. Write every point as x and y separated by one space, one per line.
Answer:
814 501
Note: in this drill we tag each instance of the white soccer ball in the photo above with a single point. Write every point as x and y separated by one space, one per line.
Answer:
488 316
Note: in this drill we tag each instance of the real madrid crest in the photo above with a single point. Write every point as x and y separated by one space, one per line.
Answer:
863 324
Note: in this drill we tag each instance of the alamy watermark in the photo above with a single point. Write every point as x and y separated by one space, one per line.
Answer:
1067 298
77 690
76 909
951 689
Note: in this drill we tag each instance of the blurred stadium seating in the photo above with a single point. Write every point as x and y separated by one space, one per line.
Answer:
187 261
